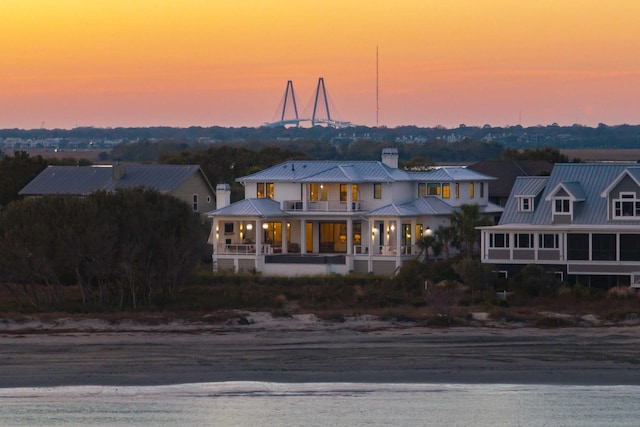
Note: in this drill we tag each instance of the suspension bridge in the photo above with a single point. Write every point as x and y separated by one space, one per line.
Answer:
321 115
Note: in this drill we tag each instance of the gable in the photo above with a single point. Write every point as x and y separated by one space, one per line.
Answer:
626 185
561 193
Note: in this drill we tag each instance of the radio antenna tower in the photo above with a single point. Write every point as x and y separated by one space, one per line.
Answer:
377 89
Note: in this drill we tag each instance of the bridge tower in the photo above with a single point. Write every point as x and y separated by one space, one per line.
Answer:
293 100
320 90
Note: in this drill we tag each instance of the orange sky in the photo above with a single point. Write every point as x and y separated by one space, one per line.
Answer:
116 63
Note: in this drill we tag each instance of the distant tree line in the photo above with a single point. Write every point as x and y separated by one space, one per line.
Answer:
127 250
574 136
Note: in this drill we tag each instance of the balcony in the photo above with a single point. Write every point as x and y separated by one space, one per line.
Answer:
320 206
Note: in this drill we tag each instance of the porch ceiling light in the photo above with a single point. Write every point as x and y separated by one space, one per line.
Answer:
265 226
393 227
249 227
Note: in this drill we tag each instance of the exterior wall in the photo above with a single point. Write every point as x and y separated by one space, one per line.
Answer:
285 191
561 219
386 268
360 266
625 185
225 265
195 184
303 269
400 192
246 265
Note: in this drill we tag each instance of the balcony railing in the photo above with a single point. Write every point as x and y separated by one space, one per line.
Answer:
386 250
232 249
320 206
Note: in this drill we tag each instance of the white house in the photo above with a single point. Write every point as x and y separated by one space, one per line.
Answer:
322 217
582 222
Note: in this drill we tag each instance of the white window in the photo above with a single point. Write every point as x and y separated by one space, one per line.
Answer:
561 205
525 204
524 240
627 206
499 240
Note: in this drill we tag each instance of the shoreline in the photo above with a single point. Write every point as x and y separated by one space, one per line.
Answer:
303 349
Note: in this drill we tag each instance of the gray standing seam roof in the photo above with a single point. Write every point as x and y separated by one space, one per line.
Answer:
594 178
356 172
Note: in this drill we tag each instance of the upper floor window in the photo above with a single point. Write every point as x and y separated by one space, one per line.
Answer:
377 190
457 190
471 190
626 206
433 189
422 189
265 190
562 206
317 192
525 204
343 192
195 203
481 189
446 190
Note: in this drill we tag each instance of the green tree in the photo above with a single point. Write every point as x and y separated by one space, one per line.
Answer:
129 249
17 171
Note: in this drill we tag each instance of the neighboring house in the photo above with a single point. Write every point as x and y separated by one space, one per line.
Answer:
321 217
185 182
582 222
505 173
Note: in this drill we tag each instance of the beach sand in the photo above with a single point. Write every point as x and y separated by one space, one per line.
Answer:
305 349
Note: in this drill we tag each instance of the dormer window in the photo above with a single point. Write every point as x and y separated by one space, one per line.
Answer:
627 206
562 205
525 204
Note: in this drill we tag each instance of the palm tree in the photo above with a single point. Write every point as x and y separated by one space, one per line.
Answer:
445 235
424 243
464 222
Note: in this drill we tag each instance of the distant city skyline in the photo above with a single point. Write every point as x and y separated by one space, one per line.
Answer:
69 63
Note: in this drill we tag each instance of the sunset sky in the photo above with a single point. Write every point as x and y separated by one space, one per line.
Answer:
115 63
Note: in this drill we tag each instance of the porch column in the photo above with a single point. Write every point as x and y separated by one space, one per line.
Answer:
303 236
349 236
372 237
304 196
216 233
398 237
259 232
413 236
285 232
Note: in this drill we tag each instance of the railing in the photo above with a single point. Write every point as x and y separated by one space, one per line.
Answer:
320 206
386 250
226 248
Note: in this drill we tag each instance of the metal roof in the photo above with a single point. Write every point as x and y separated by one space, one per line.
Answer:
82 180
262 207
356 172
594 179
450 173
427 205
529 186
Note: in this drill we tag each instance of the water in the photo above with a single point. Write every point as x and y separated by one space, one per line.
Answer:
347 404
